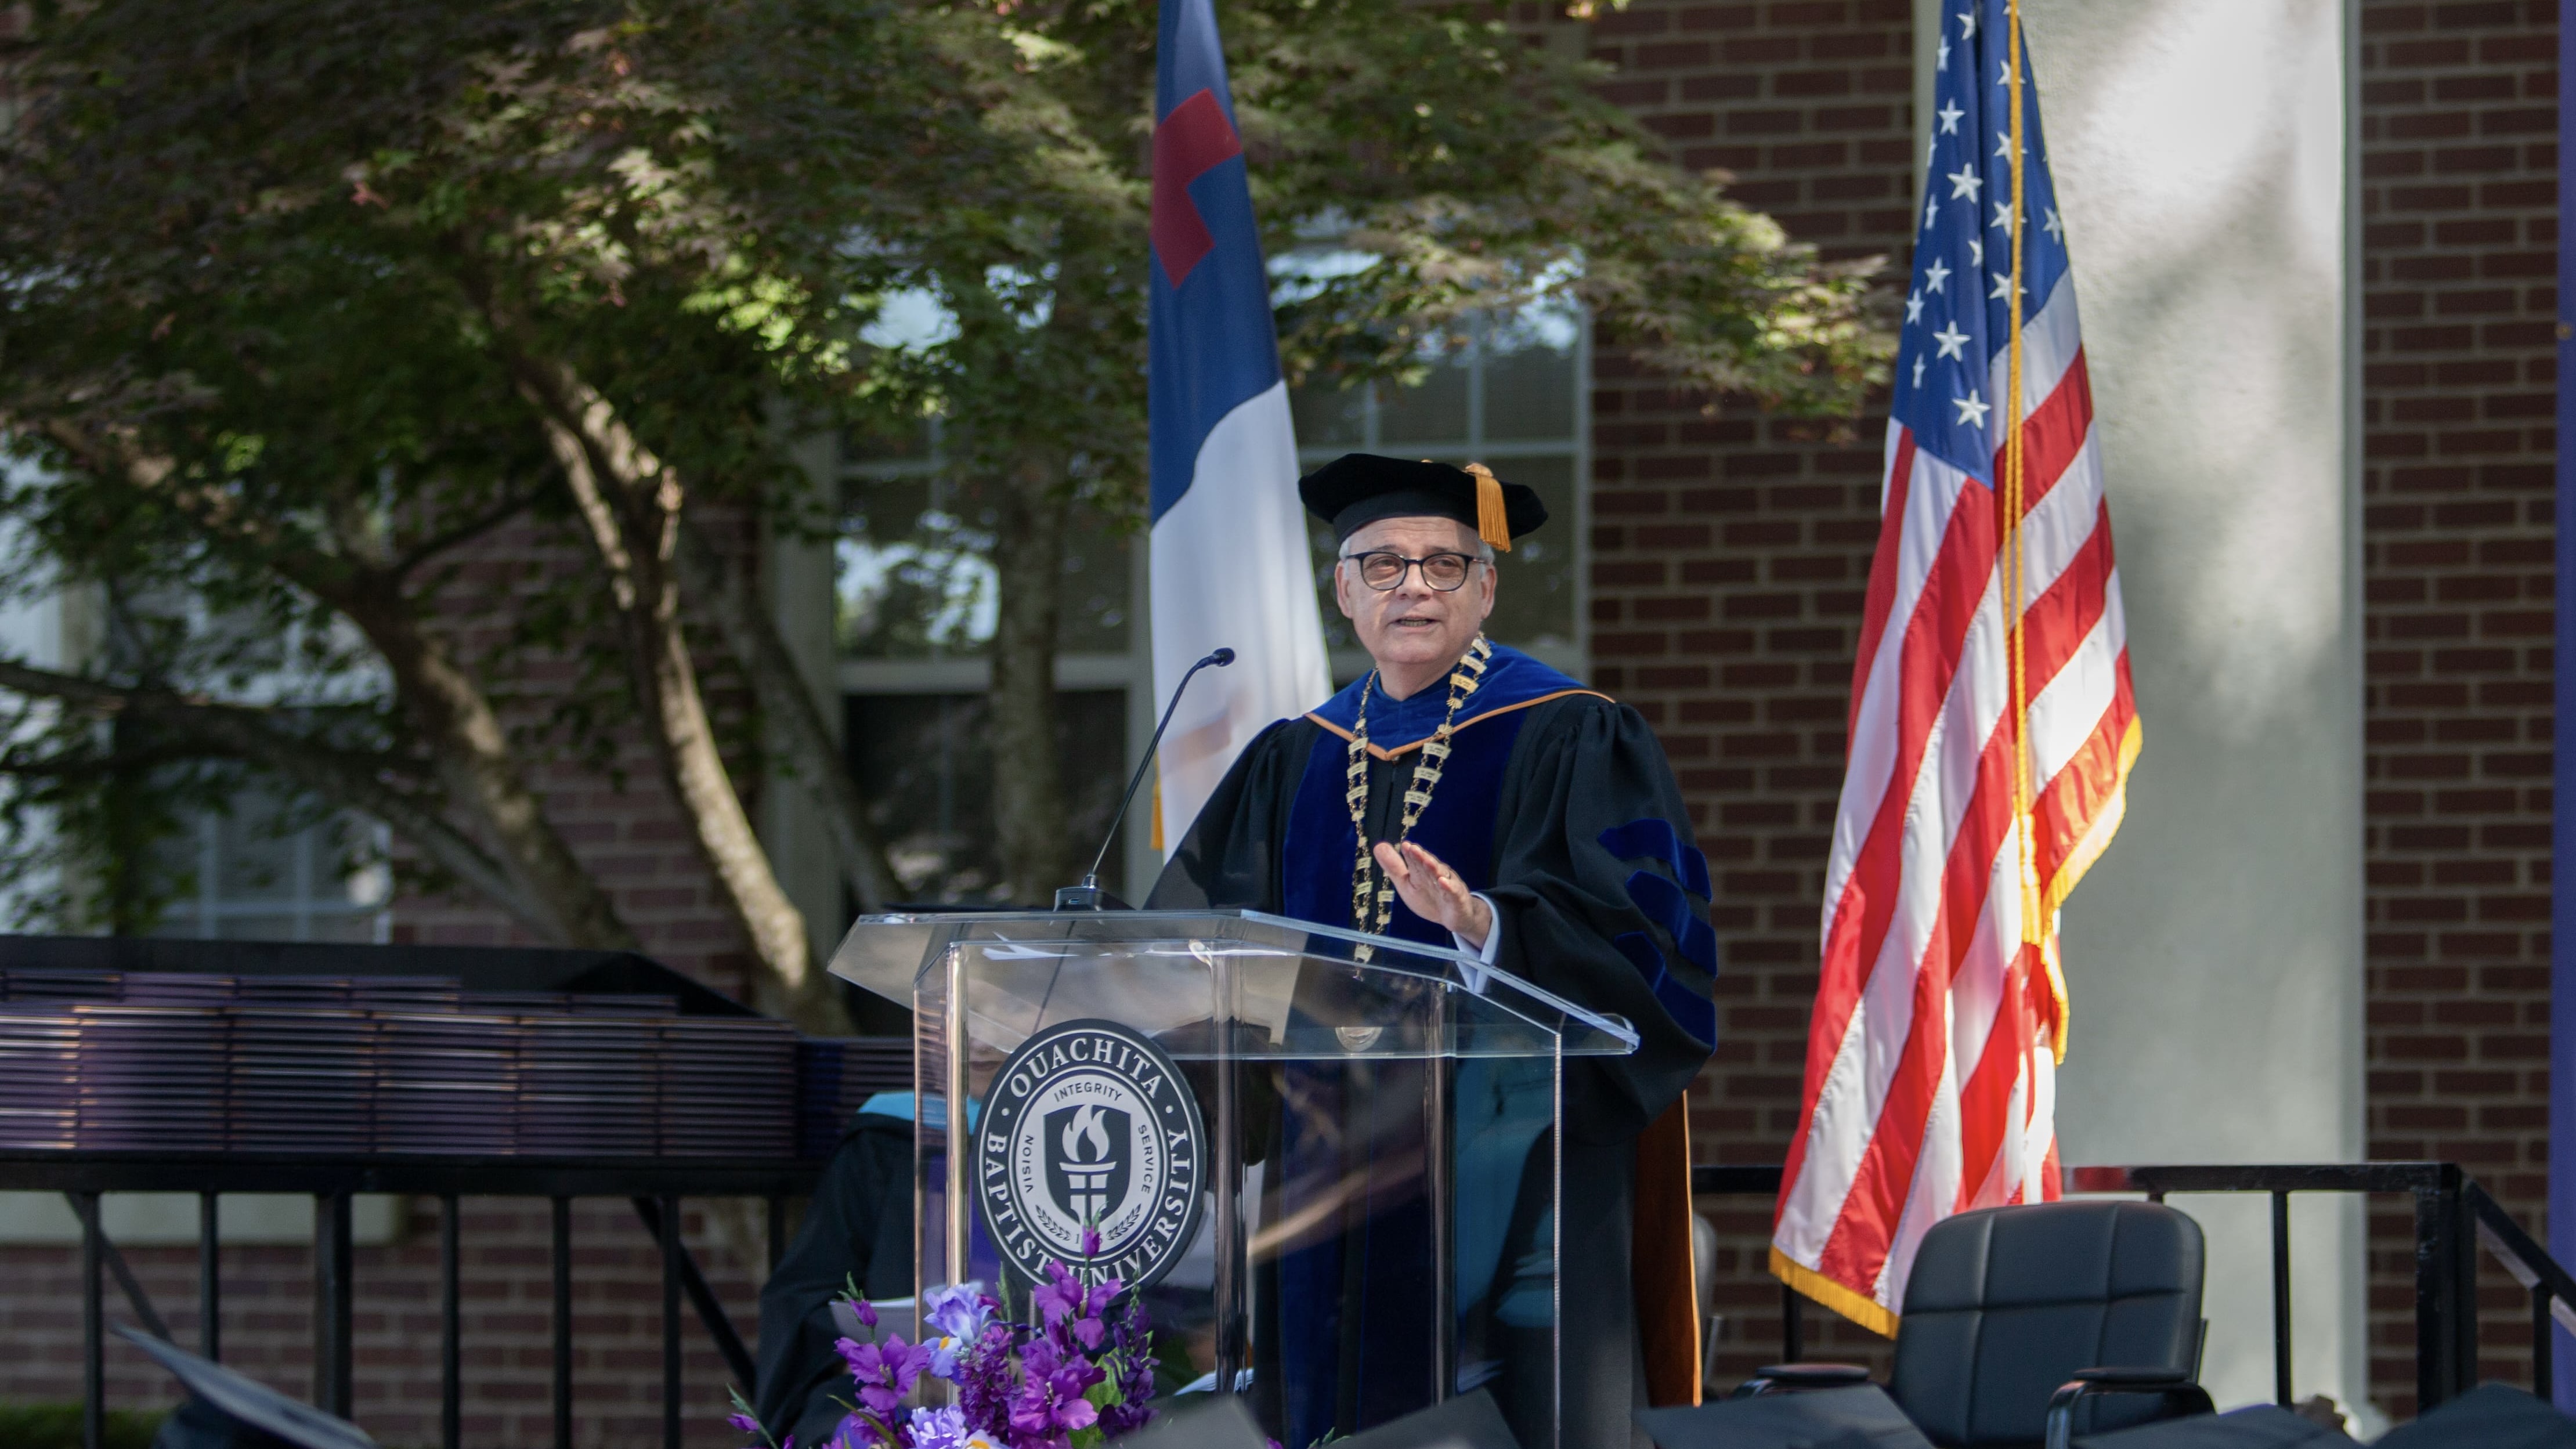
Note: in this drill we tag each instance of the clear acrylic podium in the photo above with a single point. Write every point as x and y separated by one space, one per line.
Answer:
1330 1158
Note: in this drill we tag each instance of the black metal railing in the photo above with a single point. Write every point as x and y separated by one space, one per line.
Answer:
2453 1216
654 1186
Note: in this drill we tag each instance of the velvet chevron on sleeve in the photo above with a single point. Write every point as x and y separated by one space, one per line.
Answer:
1604 901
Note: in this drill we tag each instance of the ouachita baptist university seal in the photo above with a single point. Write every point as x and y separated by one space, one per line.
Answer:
1090 1125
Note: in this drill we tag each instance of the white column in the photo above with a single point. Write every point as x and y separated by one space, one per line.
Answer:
799 575
2214 957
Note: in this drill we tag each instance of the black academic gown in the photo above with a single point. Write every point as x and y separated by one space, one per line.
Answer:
1558 805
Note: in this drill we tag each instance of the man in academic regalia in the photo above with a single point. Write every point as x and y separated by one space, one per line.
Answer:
1513 813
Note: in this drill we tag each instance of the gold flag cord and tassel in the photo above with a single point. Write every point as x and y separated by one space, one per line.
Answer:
2035 930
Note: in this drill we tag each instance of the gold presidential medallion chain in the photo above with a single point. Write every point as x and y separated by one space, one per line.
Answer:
1367 880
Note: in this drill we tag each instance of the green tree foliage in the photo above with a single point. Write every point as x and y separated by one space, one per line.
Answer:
304 301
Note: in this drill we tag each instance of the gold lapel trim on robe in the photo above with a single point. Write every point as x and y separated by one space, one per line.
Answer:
1384 753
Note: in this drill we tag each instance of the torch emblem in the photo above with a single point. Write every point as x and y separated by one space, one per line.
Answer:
1089 1149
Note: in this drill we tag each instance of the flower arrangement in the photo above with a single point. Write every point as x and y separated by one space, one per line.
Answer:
1074 1376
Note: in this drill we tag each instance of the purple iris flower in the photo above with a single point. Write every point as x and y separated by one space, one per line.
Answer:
744 1422
960 1312
938 1429
1131 1338
1050 1400
950 1429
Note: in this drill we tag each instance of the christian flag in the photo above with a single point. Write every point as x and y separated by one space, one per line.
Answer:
1991 729
1230 564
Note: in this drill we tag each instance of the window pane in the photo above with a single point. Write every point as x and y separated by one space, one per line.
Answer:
925 763
914 578
253 862
257 888
889 443
1435 412
1097 587
1529 390
911 576
1536 585
1328 416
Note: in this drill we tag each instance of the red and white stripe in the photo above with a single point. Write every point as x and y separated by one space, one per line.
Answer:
1931 1056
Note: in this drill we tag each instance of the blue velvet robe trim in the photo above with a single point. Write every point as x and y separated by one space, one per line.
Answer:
1457 826
1512 679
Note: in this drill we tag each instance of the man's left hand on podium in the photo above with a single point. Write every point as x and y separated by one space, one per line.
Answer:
1434 892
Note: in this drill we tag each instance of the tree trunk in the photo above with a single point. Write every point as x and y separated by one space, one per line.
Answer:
475 764
630 504
752 635
1028 778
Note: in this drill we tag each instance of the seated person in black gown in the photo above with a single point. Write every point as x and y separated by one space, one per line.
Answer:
858 1228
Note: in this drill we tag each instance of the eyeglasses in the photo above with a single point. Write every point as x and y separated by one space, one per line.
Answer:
1383 571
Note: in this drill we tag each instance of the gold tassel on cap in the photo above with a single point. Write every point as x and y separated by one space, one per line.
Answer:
1491 525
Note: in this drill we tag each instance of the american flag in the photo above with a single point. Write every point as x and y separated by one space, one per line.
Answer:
1940 1013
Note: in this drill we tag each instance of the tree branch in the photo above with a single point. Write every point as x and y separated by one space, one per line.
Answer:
511 506
112 452
332 773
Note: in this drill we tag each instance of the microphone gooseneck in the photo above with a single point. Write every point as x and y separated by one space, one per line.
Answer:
1088 895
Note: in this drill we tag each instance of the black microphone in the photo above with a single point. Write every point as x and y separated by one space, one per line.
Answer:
1088 896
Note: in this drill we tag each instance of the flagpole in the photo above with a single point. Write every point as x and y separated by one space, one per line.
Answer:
2562 814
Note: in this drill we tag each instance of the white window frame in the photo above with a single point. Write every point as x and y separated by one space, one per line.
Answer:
363 893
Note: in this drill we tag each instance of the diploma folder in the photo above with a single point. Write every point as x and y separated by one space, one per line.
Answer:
2260 1426
1349 1107
1860 1417
1470 1421
1198 1421
221 1399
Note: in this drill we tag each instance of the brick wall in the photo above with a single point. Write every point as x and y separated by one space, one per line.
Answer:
1730 551
2459 205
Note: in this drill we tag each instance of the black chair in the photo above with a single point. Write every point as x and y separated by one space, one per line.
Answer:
2024 1326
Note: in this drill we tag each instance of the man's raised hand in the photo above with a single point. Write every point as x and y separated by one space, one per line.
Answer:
1431 890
